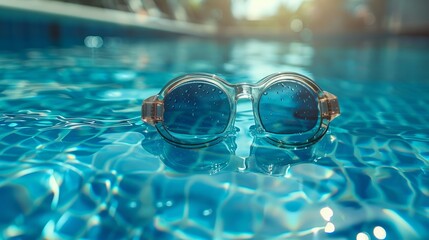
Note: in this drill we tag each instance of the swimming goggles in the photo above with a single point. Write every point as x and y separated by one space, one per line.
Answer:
198 110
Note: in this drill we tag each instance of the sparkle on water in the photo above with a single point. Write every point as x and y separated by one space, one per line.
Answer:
76 161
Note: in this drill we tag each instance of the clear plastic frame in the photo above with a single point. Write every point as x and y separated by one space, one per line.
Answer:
198 110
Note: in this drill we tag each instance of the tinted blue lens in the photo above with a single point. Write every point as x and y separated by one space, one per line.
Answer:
196 108
288 107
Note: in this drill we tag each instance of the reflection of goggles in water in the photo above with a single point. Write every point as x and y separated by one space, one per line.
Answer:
263 158
198 110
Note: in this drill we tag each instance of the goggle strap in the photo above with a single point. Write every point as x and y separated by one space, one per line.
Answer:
329 106
153 110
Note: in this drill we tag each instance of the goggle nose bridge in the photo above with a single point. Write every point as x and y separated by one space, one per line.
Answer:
243 91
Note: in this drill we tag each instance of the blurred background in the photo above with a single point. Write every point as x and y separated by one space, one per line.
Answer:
28 19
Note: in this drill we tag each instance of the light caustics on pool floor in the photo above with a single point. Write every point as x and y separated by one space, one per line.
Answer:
76 161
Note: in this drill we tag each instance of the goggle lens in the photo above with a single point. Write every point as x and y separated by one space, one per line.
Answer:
288 107
196 111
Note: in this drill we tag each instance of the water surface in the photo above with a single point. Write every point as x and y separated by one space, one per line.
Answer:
77 162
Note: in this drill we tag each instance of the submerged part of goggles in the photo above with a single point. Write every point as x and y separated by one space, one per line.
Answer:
198 110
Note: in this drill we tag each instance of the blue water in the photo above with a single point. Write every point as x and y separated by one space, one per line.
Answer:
77 162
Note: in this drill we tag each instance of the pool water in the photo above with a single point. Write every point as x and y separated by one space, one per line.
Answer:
76 161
